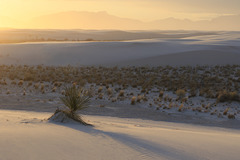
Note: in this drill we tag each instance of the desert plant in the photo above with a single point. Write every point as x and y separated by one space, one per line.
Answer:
54 89
42 86
63 92
20 83
133 100
100 89
139 98
231 116
74 99
36 86
114 99
121 93
226 111
228 96
181 93
180 108
109 91
100 96
161 94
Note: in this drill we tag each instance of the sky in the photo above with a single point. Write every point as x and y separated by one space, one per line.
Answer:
144 10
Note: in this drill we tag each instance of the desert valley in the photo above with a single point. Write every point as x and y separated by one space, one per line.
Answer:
141 91
119 80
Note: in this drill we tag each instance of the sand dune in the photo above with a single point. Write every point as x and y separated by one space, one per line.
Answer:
215 49
203 57
25 136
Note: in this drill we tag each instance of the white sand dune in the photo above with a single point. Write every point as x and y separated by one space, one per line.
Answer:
24 136
202 50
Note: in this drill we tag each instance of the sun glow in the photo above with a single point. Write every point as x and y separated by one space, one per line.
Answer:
19 13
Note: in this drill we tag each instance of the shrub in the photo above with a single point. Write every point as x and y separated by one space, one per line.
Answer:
184 100
75 99
100 96
133 100
161 94
226 111
231 116
228 96
121 93
114 99
54 89
20 83
139 98
28 77
181 93
36 86
180 108
109 91
100 89
42 86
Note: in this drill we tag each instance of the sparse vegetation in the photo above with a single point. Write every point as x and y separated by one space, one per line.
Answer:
167 86
181 93
133 100
228 96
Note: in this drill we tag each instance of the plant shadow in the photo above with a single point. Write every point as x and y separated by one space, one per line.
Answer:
144 147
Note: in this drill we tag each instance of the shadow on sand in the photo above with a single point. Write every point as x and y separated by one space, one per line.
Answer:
146 148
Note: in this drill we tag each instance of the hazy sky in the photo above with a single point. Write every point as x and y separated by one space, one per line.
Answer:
145 10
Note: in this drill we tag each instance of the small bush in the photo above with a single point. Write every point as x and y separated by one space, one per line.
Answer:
36 86
161 94
139 98
121 93
181 93
100 89
226 111
228 96
20 83
180 108
133 100
109 91
54 89
231 116
75 99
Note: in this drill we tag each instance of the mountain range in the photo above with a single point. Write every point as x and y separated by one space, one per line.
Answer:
103 20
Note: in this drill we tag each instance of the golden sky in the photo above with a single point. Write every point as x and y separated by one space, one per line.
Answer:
145 10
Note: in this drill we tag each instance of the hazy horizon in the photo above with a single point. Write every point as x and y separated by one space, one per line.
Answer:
111 14
104 21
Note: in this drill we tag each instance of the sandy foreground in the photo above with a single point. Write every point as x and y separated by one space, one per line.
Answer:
25 136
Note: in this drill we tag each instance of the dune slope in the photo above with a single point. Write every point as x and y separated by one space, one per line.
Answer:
196 50
25 136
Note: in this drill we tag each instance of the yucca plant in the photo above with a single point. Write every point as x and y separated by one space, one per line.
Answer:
74 99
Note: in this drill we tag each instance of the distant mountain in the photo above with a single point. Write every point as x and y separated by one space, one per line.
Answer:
103 20
220 23
83 20
226 22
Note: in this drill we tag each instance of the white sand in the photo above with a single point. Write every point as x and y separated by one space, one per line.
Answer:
203 50
23 138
